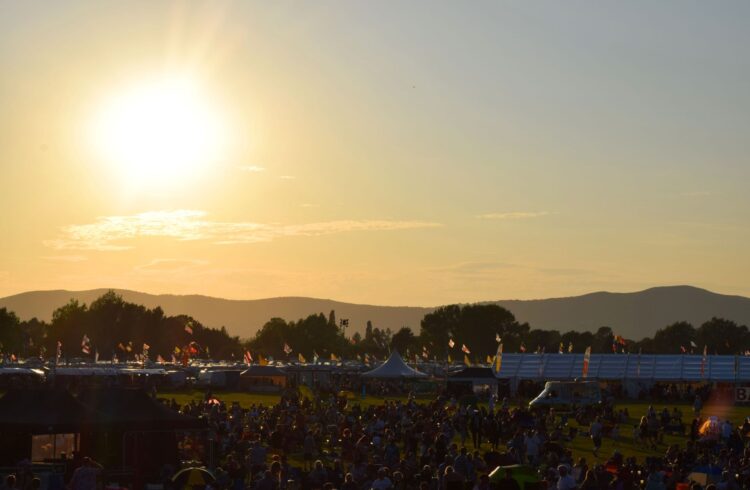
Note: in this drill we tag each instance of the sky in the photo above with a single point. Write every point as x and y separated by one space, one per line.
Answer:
399 153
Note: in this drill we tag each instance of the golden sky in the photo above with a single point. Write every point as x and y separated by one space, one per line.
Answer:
412 153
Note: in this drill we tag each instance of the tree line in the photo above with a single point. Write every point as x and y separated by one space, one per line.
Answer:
116 328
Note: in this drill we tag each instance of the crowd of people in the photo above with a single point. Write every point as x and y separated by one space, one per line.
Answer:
441 444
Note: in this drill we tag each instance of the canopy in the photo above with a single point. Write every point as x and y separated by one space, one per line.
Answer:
393 368
42 411
133 409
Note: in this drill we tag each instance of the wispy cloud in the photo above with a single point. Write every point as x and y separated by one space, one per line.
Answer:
515 215
112 233
252 168
65 258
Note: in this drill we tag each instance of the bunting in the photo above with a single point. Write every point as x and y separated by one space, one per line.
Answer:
465 349
451 343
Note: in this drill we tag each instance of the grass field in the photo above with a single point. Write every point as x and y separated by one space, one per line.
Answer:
581 445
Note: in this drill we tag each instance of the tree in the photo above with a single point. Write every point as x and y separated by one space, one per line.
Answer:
722 336
474 326
403 340
670 338
332 318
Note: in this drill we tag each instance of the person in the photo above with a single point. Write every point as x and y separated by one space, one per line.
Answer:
566 481
382 482
84 477
508 482
10 483
596 435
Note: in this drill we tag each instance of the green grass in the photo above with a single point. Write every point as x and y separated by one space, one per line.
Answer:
581 445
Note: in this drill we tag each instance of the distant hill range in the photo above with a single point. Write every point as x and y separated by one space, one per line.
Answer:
633 315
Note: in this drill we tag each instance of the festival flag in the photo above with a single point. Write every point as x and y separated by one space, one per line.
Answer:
146 347
570 347
692 344
499 358
316 357
614 348
86 344
465 349
466 360
121 347
451 344
174 359
96 356
262 360
560 349
586 359
177 350
189 327
425 353
498 339
335 358
58 354
129 347
683 349
301 358
489 360
703 360
248 357
367 359
160 359
13 358
450 361
523 348
287 349
114 358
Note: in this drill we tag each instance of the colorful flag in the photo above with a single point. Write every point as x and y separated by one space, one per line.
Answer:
160 359
523 347
129 347
586 359
301 358
499 358
177 350
451 344
466 360
146 346
465 349
683 349
425 354
248 357
497 338
316 357
489 360
335 358
450 361
562 346
692 344
570 347
287 349
58 354
96 356
262 360
189 327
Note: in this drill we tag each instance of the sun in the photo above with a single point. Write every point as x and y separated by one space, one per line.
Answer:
159 133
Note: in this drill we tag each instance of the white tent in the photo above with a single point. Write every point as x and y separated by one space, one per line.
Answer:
394 368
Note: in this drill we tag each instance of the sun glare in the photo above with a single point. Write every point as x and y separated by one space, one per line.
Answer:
159 133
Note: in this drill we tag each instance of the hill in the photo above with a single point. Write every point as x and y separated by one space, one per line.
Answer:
633 315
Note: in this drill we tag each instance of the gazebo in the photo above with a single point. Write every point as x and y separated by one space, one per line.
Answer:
394 368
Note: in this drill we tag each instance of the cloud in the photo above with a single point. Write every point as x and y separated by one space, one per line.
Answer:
514 215
252 168
65 258
111 233
161 266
